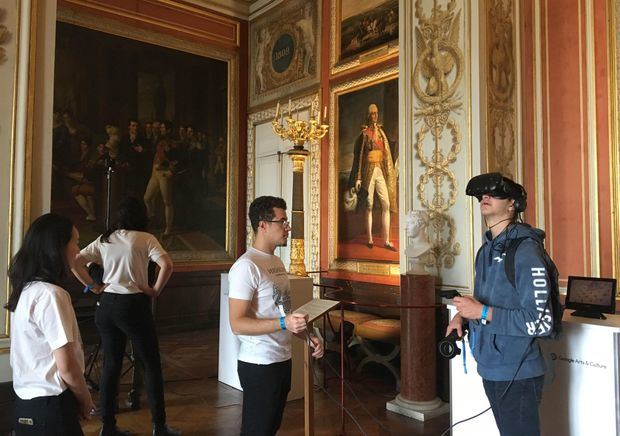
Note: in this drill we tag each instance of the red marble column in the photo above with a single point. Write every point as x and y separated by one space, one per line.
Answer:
418 342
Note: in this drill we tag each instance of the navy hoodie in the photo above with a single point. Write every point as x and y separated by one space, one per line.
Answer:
520 313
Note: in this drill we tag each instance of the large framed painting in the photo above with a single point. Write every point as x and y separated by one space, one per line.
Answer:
365 32
285 50
145 115
363 176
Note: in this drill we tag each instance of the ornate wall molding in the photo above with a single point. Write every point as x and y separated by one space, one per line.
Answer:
312 192
501 78
437 77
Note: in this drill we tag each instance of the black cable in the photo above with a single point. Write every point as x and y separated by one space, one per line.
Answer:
348 385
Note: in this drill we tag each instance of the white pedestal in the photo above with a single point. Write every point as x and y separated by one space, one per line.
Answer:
581 394
420 410
301 293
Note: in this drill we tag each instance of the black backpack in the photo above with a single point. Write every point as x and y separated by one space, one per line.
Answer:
557 309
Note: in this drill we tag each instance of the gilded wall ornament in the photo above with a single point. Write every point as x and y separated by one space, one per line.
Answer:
5 36
501 86
436 77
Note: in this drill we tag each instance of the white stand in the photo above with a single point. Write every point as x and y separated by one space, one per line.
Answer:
301 292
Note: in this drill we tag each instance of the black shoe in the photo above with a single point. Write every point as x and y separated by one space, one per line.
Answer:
113 431
133 400
370 244
164 430
390 246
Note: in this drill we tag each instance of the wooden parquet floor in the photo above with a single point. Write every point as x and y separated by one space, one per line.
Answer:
199 405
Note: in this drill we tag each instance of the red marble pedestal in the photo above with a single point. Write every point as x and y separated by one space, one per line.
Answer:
418 342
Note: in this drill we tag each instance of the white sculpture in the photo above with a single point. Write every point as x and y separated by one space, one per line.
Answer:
418 245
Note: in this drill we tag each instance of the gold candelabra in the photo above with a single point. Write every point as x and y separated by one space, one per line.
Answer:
299 132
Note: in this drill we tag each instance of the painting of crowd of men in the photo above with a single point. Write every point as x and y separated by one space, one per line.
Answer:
156 119
172 167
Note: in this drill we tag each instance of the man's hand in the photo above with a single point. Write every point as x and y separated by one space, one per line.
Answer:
468 307
456 324
296 322
358 185
317 346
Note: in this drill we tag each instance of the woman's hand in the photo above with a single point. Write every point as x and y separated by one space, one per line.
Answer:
151 292
87 407
98 288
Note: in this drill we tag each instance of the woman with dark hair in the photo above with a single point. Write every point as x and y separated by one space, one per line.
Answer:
124 309
46 348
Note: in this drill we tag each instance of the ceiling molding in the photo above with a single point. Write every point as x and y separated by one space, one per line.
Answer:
234 8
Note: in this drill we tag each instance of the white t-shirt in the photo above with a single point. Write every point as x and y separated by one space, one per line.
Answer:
125 259
43 321
262 278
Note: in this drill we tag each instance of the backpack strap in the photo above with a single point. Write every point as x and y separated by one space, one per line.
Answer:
509 259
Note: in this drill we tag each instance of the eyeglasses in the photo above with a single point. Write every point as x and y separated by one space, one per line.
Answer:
285 223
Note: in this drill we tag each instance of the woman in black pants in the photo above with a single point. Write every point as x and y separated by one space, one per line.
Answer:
46 349
124 309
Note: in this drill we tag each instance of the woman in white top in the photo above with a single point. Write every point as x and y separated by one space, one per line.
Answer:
46 349
124 309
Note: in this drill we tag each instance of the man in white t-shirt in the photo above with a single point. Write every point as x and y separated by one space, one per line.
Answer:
260 315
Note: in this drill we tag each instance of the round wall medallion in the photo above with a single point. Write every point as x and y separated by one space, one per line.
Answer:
282 53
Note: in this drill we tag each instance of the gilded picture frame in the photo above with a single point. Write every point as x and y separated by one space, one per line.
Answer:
12 145
348 248
192 248
285 53
364 33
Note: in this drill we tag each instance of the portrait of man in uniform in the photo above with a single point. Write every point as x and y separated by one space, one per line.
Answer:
367 147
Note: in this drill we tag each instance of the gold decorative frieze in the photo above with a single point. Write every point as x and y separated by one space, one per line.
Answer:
437 75
501 78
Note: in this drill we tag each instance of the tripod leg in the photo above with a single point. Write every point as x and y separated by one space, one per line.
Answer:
91 361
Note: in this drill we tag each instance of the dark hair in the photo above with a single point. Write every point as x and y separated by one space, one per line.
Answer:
169 124
262 209
130 215
41 256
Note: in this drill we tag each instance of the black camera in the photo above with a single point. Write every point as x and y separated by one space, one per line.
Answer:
447 346
498 186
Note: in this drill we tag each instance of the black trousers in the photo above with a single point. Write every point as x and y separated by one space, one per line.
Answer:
119 317
265 388
47 416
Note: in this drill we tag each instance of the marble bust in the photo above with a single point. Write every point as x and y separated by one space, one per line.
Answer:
418 245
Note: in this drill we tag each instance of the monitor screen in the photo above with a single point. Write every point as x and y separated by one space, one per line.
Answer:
591 294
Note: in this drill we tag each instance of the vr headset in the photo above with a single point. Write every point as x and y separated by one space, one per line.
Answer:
498 186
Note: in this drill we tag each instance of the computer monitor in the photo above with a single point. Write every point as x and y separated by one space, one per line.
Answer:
591 296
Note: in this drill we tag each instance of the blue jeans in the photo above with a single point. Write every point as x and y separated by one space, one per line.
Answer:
516 413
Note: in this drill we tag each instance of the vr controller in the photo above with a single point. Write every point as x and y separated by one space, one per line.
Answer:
450 294
498 186
447 346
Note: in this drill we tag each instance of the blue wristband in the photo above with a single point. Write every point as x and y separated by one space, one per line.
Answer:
282 325
88 288
483 318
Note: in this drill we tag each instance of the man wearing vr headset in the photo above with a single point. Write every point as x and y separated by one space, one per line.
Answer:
504 320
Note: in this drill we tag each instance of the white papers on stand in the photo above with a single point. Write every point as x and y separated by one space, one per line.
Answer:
316 307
